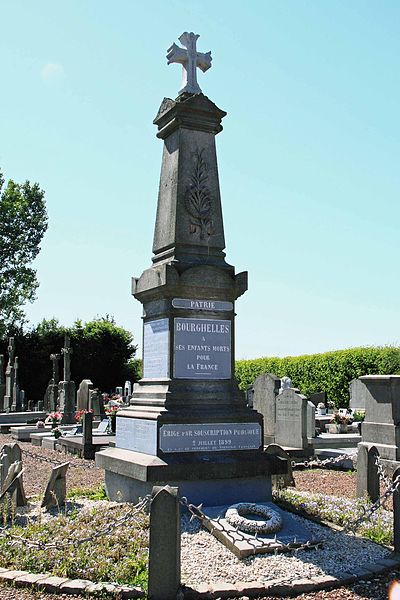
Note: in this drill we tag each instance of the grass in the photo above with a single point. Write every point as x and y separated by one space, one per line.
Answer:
119 556
343 511
98 493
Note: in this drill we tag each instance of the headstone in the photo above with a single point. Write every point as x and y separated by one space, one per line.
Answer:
188 422
97 404
318 398
66 394
9 454
358 394
381 427
8 398
291 420
127 389
16 400
83 395
51 396
286 479
23 400
266 388
2 383
119 391
13 487
103 426
310 420
56 489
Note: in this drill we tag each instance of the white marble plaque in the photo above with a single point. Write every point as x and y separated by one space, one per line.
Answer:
202 348
193 304
210 437
155 349
139 435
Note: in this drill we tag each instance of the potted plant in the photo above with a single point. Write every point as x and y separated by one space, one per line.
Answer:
338 423
321 408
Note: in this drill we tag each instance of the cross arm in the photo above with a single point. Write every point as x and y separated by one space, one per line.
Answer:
176 55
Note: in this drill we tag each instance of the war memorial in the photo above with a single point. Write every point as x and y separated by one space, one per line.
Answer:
189 424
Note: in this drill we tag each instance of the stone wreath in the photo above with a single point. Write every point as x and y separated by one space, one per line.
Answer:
270 523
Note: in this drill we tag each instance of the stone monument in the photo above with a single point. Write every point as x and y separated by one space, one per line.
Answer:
188 424
358 393
291 427
51 395
16 400
67 387
8 398
2 383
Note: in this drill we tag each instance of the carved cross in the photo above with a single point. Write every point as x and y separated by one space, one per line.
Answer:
190 59
55 358
67 351
11 350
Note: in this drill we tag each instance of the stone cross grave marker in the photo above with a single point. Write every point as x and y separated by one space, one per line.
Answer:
67 387
190 59
2 383
9 375
16 402
55 358
66 352
56 489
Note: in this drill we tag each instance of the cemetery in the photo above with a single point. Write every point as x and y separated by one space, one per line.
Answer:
208 477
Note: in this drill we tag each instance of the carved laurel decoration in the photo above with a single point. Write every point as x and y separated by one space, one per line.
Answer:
198 201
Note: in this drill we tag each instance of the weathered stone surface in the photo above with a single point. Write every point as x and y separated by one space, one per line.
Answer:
56 489
12 575
358 394
74 586
301 586
266 388
83 395
322 582
291 419
30 579
51 584
223 590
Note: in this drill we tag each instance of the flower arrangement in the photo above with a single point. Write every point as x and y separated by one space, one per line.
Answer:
340 419
79 414
111 411
55 419
56 431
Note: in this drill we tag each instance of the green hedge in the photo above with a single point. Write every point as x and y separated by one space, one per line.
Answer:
330 372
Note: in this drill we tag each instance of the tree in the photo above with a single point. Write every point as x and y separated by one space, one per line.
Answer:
23 222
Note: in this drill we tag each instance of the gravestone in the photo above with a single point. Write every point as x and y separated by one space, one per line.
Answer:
12 487
66 396
83 395
381 427
56 489
16 400
51 396
318 398
8 398
310 420
127 389
291 419
188 422
358 394
266 388
2 383
97 404
9 454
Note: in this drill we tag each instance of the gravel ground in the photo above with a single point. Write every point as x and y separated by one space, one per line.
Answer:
328 482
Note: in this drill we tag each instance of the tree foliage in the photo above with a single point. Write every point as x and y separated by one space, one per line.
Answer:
23 222
102 352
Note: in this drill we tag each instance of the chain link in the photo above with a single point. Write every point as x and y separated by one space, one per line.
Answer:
382 473
317 463
85 464
129 516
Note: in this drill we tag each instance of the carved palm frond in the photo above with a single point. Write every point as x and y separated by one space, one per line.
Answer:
198 201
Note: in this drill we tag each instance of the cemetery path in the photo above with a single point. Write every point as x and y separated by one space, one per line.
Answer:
37 472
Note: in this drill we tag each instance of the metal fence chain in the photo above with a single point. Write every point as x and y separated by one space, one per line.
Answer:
129 516
85 464
318 463
382 473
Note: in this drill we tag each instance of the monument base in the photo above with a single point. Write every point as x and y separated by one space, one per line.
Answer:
131 475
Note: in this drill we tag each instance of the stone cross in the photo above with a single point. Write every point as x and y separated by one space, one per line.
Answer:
55 358
67 351
11 350
190 59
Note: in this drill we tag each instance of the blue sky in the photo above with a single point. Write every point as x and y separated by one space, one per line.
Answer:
308 159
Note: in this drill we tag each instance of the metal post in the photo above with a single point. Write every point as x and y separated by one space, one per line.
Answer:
88 448
396 514
165 544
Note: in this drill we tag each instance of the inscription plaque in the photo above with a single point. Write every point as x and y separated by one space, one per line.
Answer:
139 435
202 348
210 437
155 349
288 410
202 304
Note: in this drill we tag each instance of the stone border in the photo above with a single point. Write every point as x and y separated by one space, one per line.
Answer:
297 586
46 582
221 590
